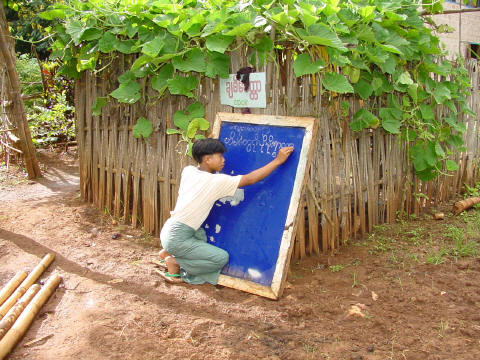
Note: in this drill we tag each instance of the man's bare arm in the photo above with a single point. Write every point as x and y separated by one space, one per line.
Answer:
261 173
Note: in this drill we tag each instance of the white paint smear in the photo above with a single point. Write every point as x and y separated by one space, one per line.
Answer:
254 273
212 239
217 228
206 226
234 200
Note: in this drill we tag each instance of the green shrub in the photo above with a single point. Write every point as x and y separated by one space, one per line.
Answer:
52 123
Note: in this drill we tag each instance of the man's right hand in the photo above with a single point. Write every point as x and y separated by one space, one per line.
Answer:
283 154
261 173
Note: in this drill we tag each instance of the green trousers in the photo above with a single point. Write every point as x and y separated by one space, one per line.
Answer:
199 261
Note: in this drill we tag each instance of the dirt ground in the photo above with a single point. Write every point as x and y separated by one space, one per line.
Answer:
410 290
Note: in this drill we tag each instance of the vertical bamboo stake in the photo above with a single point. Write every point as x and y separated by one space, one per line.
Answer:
17 113
22 289
300 238
12 315
12 285
23 322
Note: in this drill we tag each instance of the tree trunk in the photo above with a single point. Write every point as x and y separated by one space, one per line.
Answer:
16 111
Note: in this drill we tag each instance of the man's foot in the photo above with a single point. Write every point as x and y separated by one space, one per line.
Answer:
161 263
172 265
171 278
163 254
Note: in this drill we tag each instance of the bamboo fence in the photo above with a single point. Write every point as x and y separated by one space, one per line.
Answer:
357 180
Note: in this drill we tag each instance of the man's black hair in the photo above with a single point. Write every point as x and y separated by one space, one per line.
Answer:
204 147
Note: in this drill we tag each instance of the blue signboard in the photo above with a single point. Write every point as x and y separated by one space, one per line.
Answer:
249 226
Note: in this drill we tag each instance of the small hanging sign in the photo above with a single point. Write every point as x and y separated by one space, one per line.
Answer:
232 91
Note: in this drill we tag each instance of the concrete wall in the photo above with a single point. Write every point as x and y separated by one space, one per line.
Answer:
466 32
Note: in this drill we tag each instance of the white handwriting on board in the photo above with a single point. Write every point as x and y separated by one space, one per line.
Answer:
261 143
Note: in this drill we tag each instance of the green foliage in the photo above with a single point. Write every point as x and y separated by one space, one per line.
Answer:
472 191
366 48
29 74
54 123
50 114
143 127
27 26
336 268
189 122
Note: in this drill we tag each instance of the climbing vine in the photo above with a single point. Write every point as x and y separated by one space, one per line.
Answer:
367 48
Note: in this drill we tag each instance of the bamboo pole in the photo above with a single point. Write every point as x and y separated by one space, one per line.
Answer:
17 113
12 315
22 324
22 289
12 285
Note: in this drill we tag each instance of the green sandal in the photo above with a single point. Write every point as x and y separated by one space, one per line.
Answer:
171 278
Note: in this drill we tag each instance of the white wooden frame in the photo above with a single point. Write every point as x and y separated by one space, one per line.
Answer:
278 281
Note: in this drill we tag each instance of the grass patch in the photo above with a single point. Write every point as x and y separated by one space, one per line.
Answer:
411 243
336 268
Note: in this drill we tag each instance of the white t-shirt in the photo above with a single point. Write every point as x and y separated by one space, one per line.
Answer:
198 192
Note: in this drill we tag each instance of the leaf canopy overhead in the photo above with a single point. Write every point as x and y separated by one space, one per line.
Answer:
362 47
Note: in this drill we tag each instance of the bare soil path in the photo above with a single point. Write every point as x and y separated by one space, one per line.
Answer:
381 297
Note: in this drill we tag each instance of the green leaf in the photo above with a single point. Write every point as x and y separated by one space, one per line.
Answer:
240 30
365 33
303 65
194 61
75 29
427 112
433 6
423 156
354 75
173 131
69 70
107 43
438 150
128 92
389 120
263 46
321 34
363 119
126 77
451 165
126 47
359 64
457 126
336 82
91 34
53 14
197 124
218 43
218 64
441 93
181 119
366 12
412 91
86 64
97 105
451 105
363 88
141 61
182 85
152 48
159 81
405 78
143 127
427 174
390 48
283 19
389 65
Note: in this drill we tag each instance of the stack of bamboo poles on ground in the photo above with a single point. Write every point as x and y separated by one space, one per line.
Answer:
20 301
